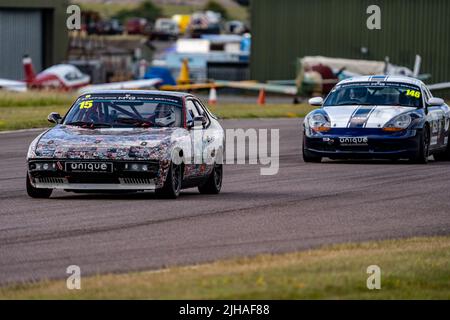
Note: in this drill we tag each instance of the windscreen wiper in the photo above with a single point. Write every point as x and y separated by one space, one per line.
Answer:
355 104
92 125
136 122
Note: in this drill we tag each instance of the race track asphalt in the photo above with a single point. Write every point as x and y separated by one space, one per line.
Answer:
303 206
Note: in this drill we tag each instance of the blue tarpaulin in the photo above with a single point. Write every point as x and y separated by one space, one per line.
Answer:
162 73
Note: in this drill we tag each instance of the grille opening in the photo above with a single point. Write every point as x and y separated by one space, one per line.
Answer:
53 180
136 181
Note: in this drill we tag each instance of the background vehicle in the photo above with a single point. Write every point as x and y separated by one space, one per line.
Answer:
60 76
165 29
129 140
66 77
235 27
377 117
136 26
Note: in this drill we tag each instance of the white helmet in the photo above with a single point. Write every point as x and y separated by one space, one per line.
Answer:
164 115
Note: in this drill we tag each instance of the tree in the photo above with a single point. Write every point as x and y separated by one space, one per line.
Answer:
146 9
216 7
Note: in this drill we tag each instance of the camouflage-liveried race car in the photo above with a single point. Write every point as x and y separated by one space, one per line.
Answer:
129 141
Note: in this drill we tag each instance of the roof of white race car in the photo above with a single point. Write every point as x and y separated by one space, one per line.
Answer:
383 78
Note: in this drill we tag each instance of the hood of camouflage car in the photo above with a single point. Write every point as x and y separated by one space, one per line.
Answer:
71 142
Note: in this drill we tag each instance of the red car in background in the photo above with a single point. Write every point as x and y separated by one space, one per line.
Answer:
137 26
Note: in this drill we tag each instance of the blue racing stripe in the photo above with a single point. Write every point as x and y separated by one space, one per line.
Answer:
368 116
378 78
359 118
351 117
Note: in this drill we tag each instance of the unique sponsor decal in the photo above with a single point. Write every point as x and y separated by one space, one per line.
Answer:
89 166
352 141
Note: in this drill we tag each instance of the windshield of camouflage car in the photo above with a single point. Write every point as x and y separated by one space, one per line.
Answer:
125 111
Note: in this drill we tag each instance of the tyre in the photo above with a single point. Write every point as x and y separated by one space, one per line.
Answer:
214 182
37 192
308 156
443 156
172 185
423 150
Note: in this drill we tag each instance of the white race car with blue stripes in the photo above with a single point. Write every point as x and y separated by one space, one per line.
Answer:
377 117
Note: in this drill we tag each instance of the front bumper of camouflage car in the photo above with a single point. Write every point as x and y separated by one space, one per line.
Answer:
85 175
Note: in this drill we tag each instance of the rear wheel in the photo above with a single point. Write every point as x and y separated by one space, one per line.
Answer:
172 185
308 156
423 150
37 192
443 156
214 183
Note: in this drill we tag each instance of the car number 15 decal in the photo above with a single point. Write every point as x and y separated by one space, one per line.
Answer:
86 104
413 93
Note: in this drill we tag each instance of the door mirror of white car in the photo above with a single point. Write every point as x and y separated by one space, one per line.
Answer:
436 102
54 117
316 101
198 121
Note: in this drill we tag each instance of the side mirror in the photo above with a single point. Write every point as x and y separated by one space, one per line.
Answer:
316 101
198 121
436 102
54 117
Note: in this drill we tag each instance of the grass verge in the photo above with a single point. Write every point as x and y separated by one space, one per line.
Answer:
36 99
245 111
14 118
30 110
416 268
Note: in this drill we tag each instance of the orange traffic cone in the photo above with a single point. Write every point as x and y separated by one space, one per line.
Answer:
212 100
262 97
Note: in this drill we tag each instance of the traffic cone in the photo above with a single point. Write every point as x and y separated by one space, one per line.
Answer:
184 77
262 97
212 100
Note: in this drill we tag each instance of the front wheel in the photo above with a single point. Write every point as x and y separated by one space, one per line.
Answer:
172 185
214 183
37 192
423 150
